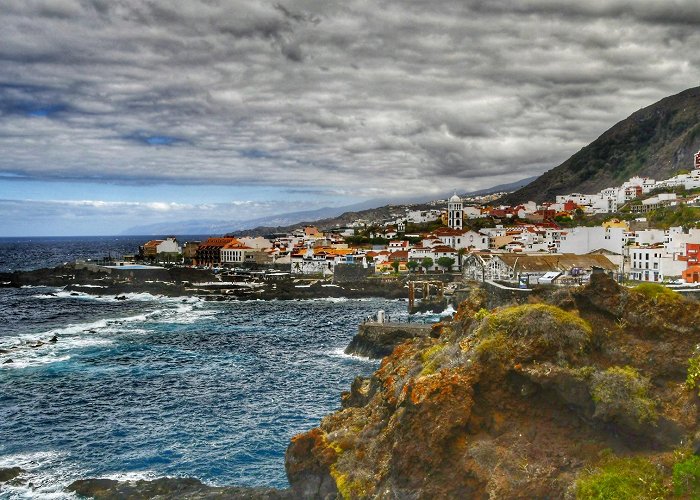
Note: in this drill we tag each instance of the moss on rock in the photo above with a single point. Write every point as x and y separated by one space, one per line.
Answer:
531 330
621 394
616 478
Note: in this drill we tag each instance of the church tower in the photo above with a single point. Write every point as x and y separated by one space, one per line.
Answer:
697 160
455 212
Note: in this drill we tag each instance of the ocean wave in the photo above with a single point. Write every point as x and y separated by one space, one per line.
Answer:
23 361
145 475
340 353
27 350
47 473
131 296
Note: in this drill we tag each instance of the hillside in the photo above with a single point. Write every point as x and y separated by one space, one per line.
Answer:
370 214
655 141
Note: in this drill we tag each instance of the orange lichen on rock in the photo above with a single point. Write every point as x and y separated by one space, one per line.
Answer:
514 402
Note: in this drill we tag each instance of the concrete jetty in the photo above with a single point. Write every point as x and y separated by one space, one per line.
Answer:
375 340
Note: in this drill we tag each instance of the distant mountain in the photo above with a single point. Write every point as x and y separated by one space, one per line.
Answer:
656 141
213 227
324 217
502 188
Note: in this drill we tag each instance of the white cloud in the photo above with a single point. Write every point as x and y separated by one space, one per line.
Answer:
391 98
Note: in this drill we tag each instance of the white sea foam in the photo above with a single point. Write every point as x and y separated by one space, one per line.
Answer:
46 477
332 299
23 361
340 353
132 296
25 350
132 475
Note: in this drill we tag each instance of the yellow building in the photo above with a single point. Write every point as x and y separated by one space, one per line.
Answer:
616 223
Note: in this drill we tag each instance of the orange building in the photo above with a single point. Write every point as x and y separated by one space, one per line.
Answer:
692 274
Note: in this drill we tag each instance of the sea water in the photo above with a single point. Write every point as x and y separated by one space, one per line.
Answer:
153 386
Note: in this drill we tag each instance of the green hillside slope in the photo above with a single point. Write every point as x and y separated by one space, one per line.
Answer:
655 141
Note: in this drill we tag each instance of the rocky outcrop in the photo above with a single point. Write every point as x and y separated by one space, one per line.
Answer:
180 488
376 340
177 282
10 474
515 402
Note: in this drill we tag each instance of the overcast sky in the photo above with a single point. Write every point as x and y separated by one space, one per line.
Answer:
123 112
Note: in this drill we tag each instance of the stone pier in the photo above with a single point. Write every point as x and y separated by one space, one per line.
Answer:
376 340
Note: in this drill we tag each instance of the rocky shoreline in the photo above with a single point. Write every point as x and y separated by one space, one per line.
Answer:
544 399
189 282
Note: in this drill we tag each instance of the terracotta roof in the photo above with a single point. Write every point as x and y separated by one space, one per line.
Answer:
400 255
444 249
236 245
216 242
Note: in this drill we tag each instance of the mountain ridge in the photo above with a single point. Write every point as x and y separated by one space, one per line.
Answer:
655 141
329 216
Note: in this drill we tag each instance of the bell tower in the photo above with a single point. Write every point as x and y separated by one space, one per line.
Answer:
455 212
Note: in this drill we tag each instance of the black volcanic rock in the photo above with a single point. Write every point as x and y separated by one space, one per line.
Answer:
655 141
167 487
375 341
10 473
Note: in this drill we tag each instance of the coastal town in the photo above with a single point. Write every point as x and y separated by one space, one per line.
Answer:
557 242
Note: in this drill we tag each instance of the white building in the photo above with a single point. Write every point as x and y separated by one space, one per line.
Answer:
583 240
472 212
169 245
235 253
690 180
455 212
652 263
422 216
258 243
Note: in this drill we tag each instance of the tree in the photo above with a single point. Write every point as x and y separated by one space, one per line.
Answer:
412 265
427 263
395 265
446 262
460 256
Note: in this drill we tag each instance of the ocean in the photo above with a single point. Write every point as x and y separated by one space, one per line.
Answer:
153 386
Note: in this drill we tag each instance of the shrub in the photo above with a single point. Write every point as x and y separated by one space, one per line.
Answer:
686 477
481 314
620 393
532 329
693 379
621 478
657 293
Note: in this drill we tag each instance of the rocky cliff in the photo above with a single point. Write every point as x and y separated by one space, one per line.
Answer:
655 141
591 394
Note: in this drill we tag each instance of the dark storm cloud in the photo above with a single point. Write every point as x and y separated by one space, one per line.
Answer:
394 97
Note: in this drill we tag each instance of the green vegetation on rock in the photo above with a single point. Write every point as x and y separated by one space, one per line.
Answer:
621 394
686 477
428 357
693 378
681 215
621 479
531 327
658 293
